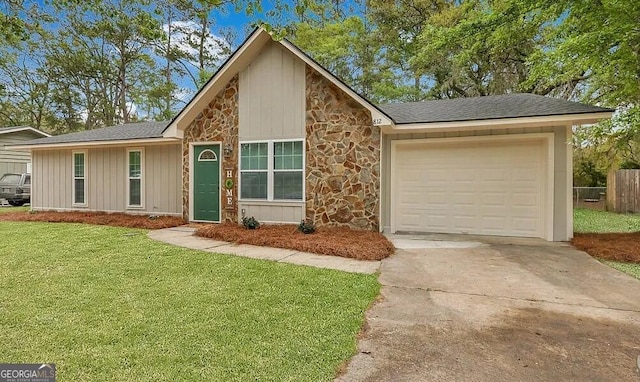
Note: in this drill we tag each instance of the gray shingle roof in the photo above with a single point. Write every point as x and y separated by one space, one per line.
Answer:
140 130
488 107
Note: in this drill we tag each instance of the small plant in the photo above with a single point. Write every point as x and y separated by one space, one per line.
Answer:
250 223
306 226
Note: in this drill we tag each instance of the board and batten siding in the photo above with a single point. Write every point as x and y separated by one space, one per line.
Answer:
14 161
272 106
562 204
106 179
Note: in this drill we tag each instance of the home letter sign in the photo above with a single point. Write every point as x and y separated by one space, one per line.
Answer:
229 184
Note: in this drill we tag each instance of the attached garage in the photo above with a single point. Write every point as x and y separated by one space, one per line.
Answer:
483 185
494 165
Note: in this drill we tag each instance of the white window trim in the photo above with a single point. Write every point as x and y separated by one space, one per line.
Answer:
73 178
271 171
142 176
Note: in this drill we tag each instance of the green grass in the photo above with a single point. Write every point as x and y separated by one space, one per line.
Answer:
109 304
631 268
585 220
14 209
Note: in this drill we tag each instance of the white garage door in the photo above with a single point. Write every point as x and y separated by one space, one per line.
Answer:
481 188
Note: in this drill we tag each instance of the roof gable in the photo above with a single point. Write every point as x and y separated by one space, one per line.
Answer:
238 61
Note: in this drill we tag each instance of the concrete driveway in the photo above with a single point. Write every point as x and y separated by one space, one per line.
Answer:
492 309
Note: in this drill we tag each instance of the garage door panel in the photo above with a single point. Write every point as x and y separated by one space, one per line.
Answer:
493 189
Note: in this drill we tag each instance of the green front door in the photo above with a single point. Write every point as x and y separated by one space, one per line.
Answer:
206 183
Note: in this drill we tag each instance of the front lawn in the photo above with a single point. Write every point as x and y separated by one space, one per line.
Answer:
5 209
612 238
109 304
593 221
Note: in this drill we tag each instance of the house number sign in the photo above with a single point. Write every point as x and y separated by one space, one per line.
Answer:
229 197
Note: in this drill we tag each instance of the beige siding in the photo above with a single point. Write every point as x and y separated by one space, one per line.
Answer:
14 156
562 182
272 96
277 212
163 180
106 179
51 179
272 106
12 167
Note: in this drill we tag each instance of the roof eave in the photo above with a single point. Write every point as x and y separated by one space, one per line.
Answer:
26 128
88 144
516 122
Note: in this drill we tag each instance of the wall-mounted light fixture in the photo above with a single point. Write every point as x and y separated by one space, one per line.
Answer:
228 149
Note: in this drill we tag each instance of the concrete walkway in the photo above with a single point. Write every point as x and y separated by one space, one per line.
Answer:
184 237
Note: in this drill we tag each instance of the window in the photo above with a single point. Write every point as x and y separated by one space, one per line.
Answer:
134 178
79 178
207 156
287 170
254 170
272 170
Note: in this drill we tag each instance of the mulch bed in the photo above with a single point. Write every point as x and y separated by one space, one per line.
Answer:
99 218
343 242
623 247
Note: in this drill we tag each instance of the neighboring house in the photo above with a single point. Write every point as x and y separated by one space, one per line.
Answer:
16 161
274 135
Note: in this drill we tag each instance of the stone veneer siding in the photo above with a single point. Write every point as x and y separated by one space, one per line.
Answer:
342 158
217 122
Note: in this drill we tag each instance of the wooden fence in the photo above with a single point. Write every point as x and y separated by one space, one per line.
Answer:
623 191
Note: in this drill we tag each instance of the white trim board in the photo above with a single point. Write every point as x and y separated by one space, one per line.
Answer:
547 138
82 145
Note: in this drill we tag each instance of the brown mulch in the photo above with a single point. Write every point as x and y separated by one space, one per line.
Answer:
343 242
99 218
623 247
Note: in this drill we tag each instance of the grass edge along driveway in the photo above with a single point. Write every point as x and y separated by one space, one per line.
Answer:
107 303
593 221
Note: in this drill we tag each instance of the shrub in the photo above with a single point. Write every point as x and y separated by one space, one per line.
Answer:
250 223
306 226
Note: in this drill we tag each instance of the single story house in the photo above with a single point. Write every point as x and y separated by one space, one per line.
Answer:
16 161
274 135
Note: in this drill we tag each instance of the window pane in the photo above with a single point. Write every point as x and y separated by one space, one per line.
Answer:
78 191
253 156
135 197
287 185
78 165
135 164
297 148
289 157
253 185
